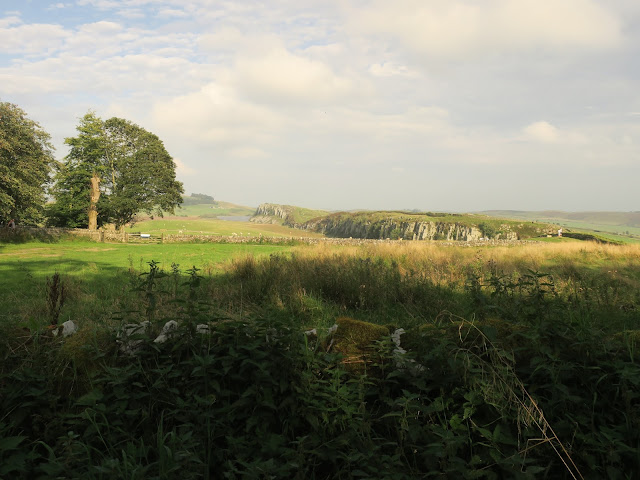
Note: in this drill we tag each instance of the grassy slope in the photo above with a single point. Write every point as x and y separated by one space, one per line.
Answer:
611 222
196 226
201 219
212 211
301 215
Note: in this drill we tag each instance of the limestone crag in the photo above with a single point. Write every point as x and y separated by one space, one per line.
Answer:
399 225
274 213
419 230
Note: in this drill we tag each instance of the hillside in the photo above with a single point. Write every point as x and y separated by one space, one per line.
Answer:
400 225
425 226
622 223
212 209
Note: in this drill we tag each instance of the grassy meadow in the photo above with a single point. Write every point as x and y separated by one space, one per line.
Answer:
513 361
205 226
97 273
214 210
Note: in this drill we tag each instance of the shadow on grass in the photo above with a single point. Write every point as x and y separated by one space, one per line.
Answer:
91 291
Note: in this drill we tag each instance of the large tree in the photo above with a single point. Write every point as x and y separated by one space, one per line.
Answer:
26 158
72 191
114 170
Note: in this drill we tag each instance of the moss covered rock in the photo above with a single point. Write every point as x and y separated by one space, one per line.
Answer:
356 339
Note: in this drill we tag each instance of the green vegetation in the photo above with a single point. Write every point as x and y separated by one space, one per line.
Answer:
301 215
207 210
624 225
198 199
114 170
198 226
383 224
26 159
288 215
521 362
25 267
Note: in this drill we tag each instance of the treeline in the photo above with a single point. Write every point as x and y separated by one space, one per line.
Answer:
198 199
114 169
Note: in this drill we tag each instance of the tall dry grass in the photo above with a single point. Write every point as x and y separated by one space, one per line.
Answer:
450 265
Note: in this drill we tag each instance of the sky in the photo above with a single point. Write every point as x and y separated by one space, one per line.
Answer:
439 105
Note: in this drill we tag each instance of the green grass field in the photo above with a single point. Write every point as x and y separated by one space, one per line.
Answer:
98 273
204 226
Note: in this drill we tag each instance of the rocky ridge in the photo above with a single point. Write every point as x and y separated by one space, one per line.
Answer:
276 214
403 225
355 227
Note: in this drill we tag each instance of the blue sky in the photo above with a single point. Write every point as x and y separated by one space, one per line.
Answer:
453 105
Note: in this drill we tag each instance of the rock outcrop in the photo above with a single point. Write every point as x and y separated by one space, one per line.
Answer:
401 225
354 226
271 213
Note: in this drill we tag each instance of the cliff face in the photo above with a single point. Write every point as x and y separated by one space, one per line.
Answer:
396 225
382 229
271 213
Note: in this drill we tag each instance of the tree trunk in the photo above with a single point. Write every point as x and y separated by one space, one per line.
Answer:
95 196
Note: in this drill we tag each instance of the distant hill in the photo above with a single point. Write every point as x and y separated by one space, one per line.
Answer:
623 223
209 208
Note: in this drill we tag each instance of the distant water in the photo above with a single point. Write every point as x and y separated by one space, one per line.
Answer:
234 218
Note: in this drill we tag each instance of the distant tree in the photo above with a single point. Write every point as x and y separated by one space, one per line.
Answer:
488 230
198 199
114 170
202 198
26 159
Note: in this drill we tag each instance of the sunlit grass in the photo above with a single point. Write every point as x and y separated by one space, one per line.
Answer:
194 226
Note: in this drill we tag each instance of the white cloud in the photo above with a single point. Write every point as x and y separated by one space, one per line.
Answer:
390 69
459 29
542 132
259 96
545 132
32 38
216 115
281 76
172 13
183 169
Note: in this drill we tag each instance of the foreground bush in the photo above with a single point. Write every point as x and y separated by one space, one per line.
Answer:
256 398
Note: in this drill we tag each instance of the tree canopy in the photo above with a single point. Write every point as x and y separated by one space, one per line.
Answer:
26 158
114 170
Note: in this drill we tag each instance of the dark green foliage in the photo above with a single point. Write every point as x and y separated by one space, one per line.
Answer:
73 178
254 398
488 230
198 199
26 159
136 174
